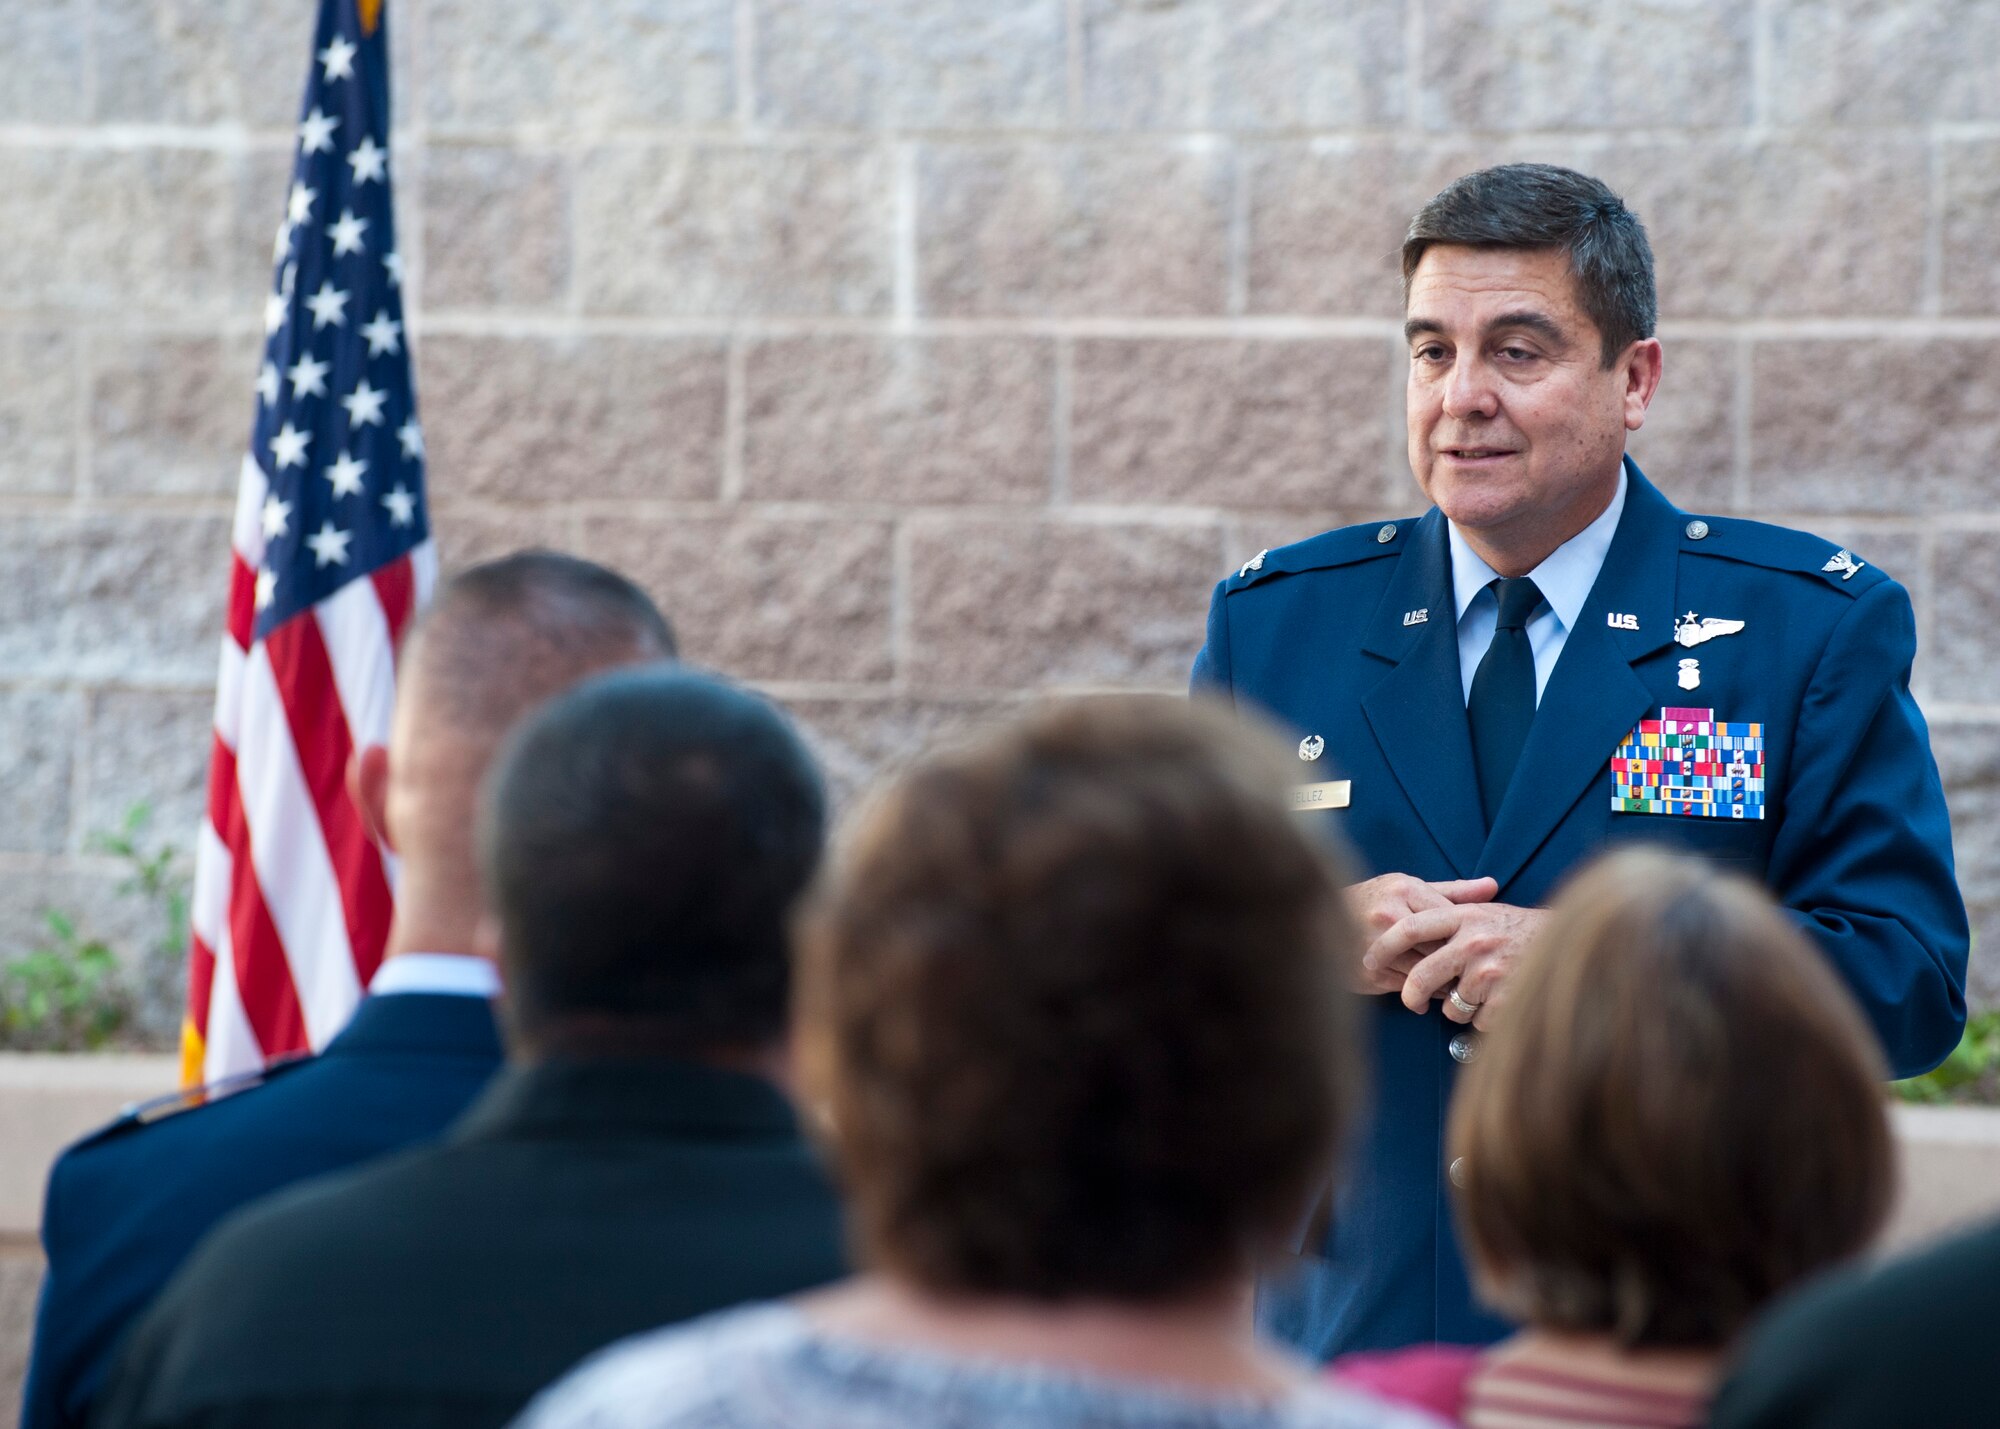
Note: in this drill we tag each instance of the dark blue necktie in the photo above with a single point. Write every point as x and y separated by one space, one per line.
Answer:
1503 693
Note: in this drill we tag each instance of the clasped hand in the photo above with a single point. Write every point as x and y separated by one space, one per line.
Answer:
1426 938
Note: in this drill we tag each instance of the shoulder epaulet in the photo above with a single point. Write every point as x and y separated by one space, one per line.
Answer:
1343 546
172 1104
1779 548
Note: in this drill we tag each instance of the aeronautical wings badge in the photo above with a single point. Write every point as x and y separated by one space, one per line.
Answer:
1691 630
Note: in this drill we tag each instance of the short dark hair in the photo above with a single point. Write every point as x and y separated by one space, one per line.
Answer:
501 636
1546 206
1073 999
644 838
584 588
1677 1117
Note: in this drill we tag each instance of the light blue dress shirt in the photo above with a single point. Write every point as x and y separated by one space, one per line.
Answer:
455 974
1564 579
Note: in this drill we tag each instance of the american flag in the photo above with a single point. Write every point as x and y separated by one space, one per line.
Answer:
331 555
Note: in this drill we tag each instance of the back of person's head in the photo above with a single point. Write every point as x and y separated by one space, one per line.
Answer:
497 640
1071 998
645 838
1678 1116
502 636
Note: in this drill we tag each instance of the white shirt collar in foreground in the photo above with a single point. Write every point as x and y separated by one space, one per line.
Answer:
1564 578
454 974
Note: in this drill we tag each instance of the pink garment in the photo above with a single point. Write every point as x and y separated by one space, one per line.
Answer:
1431 1377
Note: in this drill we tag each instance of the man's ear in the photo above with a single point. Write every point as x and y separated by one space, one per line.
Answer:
1643 366
486 937
368 787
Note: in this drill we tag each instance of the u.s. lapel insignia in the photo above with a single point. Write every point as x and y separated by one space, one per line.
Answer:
1690 677
1692 630
1311 747
1417 617
1619 621
1840 561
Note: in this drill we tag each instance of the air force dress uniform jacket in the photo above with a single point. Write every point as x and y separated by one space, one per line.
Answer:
1788 749
126 1205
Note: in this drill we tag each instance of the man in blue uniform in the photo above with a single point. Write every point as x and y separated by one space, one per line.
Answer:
1553 659
124 1207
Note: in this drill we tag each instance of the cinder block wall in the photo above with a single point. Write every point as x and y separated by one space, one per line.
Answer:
924 353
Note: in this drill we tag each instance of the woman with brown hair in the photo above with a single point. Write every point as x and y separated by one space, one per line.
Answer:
1677 1118
1072 1004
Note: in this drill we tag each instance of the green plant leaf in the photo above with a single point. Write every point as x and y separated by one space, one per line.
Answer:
1970 1074
74 991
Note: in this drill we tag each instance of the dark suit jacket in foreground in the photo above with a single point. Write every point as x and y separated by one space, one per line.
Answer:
576 1203
1911 1343
125 1206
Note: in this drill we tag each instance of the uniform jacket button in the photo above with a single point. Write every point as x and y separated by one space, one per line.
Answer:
1457 1171
1464 1046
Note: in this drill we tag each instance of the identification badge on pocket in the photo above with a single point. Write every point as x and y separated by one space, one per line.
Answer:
1333 794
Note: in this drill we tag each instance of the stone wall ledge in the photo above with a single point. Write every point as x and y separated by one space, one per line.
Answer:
48 1100
1950 1170
1950 1154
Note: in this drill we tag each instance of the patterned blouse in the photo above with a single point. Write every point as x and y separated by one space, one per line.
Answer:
767 1367
1518 1396
1493 1389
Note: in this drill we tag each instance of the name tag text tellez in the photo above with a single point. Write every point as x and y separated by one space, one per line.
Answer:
1333 794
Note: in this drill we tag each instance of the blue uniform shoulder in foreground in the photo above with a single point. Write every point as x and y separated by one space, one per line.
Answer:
126 1204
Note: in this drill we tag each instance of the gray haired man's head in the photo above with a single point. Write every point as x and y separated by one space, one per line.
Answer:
497 640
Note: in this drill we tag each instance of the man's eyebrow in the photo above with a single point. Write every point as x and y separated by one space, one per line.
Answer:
1538 323
1541 324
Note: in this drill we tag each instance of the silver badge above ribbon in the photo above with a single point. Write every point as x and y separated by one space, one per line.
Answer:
1692 630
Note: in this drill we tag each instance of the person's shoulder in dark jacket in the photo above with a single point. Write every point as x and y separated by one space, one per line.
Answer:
126 1205
443 1287
1904 1343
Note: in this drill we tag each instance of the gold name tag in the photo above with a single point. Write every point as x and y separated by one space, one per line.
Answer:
1330 795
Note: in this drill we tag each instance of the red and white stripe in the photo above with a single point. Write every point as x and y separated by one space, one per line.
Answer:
292 898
